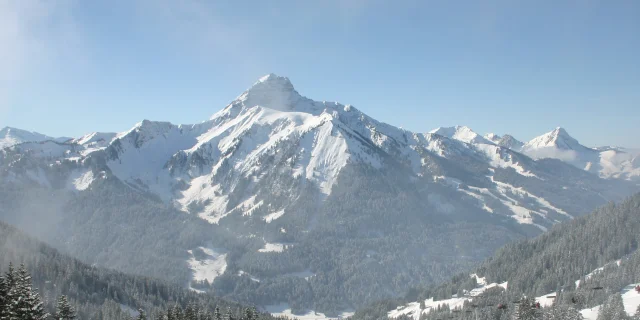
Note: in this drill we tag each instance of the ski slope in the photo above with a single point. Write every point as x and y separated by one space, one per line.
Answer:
630 300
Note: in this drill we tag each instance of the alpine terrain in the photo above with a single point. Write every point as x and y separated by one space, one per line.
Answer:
299 205
588 267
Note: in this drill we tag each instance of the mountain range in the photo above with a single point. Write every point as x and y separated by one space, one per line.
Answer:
280 199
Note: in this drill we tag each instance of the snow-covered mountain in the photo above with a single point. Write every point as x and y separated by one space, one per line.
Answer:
12 136
507 141
608 162
275 172
218 165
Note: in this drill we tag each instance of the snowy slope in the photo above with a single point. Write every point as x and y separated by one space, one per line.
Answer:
413 309
461 133
506 141
269 166
94 141
207 263
630 300
12 136
630 297
272 133
608 162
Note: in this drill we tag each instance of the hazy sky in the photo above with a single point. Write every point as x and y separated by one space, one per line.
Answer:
518 67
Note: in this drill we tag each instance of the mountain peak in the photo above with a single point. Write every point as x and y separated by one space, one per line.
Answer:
560 132
507 141
492 137
558 138
11 136
273 82
8 130
461 133
273 92
272 77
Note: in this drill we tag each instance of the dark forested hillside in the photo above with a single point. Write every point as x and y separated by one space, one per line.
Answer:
98 293
553 262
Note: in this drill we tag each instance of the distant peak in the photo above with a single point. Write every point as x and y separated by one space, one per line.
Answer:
450 131
508 141
9 129
560 131
12 130
558 138
492 137
461 133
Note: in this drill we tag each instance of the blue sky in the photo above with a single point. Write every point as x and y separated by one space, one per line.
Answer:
518 67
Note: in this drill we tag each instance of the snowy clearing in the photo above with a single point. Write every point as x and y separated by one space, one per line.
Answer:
275 247
283 309
207 264
413 309
630 299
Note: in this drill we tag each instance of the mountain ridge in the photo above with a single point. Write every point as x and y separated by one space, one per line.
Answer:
271 175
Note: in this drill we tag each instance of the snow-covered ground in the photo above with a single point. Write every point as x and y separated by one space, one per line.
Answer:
413 309
283 309
273 216
81 179
630 299
211 266
546 300
274 247
591 313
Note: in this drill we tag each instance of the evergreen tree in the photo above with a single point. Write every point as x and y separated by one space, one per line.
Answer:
141 315
26 303
6 284
177 313
216 314
613 309
64 310
562 312
248 314
191 313
229 315
204 315
526 310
